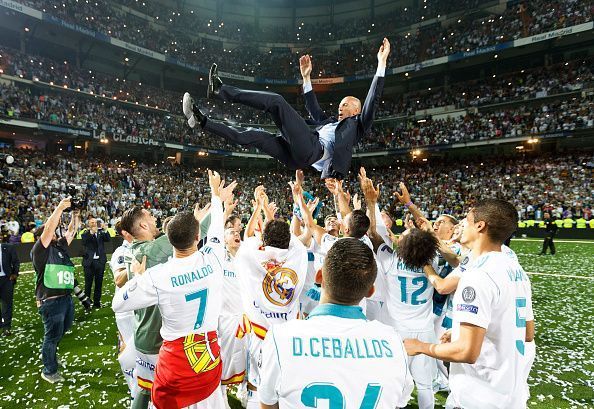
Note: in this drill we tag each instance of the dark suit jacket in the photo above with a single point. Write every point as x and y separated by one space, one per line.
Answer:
10 260
349 131
94 246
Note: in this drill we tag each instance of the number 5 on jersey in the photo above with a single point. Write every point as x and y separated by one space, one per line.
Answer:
201 296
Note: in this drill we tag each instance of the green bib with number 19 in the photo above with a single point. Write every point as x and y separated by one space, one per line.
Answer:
58 276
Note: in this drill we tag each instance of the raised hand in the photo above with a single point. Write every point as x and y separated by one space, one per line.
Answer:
299 177
226 192
258 191
424 224
312 204
296 190
200 213
403 197
64 204
230 204
382 54
356 202
305 66
214 180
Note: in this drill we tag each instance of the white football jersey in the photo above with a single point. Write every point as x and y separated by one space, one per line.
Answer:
334 359
326 244
117 262
494 293
187 290
118 257
272 280
408 294
231 287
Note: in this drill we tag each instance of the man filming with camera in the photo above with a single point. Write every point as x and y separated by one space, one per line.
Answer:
94 258
54 284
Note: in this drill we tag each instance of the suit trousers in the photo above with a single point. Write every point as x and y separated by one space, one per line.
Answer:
548 244
94 275
6 297
296 147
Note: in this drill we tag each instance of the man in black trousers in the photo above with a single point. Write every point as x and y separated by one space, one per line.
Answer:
9 271
551 230
328 148
94 259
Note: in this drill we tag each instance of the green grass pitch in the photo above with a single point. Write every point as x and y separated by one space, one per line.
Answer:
562 377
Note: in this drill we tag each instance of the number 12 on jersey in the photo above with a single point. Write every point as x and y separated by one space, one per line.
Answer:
416 281
201 297
315 392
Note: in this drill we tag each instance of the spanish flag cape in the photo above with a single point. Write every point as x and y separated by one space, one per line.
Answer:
188 371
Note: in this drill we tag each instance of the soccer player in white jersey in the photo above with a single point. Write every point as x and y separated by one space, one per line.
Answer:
407 293
336 358
188 292
232 347
491 306
274 270
124 320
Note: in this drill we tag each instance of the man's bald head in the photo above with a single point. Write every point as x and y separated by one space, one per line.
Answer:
349 106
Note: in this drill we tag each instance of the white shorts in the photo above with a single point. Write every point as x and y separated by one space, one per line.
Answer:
145 369
423 368
214 401
529 355
253 401
125 323
233 350
254 355
127 360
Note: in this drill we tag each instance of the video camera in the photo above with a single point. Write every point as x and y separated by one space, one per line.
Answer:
76 202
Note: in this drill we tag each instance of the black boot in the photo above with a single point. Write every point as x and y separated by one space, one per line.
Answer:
214 82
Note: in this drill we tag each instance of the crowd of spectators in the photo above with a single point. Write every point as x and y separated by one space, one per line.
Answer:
108 186
174 34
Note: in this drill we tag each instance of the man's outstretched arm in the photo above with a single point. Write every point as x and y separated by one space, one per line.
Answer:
311 102
377 86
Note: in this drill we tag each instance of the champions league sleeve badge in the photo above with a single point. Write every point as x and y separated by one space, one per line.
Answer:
468 294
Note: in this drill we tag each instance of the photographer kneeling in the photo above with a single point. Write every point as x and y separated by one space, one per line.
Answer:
54 283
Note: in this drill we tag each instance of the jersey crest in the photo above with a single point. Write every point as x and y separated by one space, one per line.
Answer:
279 283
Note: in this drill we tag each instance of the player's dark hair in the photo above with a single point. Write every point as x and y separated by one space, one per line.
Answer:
277 233
182 230
349 271
358 224
118 227
417 248
130 220
500 216
231 221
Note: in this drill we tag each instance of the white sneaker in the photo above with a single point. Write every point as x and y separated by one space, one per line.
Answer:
187 106
53 378
192 121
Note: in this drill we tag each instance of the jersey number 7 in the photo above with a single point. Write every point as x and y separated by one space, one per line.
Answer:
201 297
314 392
